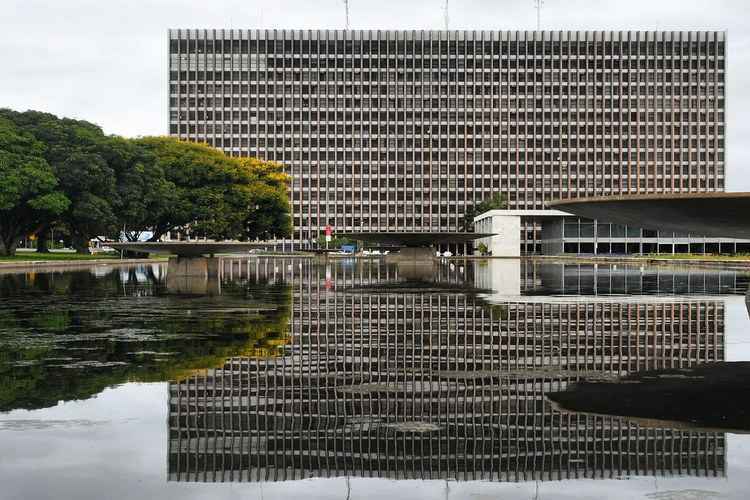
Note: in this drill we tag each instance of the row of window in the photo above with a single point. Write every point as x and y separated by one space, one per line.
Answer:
405 172
368 119
549 160
320 220
605 155
467 104
408 111
314 219
409 60
384 131
547 192
236 90
419 123
313 210
650 101
455 76
443 91
354 205
407 107
357 210
596 139
375 145
528 183
561 152
530 188
193 62
504 156
400 184
392 185
426 47
669 138
425 132
356 201
451 145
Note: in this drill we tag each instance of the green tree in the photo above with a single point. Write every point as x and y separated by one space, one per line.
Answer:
269 215
29 191
85 164
143 192
496 202
89 183
119 186
218 196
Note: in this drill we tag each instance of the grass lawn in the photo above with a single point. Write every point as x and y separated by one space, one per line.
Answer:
695 256
22 256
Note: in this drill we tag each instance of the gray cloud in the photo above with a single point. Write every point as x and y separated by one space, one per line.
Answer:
105 60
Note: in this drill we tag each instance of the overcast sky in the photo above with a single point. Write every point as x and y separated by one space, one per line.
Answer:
105 60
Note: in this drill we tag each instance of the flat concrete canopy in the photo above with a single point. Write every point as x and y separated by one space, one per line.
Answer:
414 239
513 212
188 248
723 215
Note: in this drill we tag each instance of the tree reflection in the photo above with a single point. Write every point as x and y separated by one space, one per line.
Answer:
69 335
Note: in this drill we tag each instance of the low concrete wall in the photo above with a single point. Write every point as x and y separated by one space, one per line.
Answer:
507 239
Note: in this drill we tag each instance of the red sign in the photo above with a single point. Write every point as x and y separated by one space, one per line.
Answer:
329 230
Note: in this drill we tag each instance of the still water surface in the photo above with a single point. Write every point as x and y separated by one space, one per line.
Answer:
357 379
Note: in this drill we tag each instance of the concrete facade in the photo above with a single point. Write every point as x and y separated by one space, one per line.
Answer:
721 215
505 225
405 130
575 235
564 233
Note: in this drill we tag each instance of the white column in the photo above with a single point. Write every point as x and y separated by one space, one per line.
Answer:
507 239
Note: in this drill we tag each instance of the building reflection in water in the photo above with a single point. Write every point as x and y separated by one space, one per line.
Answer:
439 385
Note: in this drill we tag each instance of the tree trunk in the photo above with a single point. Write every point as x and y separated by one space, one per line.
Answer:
42 241
8 247
81 245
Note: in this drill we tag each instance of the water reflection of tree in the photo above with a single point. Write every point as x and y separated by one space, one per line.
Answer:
70 335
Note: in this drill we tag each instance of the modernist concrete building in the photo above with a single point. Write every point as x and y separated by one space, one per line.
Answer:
563 233
403 130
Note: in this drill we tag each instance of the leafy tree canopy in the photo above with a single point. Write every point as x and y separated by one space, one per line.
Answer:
76 151
29 191
218 196
67 174
496 202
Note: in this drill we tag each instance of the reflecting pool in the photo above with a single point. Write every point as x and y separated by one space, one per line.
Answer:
358 379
